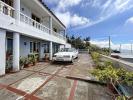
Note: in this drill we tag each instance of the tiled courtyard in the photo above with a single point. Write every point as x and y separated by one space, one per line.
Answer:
47 81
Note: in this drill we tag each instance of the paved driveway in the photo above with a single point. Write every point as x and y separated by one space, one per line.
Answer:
56 81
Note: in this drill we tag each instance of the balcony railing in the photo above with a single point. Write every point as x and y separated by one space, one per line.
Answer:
6 9
58 35
31 22
9 11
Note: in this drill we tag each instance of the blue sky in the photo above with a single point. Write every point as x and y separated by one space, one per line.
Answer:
97 19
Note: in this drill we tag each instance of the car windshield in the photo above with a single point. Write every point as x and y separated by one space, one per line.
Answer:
67 50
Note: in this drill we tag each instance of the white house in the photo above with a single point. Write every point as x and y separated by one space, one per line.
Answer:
28 26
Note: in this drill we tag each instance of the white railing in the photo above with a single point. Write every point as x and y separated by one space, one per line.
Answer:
6 9
58 35
31 22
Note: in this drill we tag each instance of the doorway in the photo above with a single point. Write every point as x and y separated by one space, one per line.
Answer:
9 54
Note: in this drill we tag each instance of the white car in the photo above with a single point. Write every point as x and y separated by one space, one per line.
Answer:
66 54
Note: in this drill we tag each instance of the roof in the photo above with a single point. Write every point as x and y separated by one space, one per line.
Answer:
51 12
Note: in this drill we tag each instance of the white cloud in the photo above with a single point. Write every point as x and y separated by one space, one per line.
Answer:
72 20
129 20
109 8
105 44
63 4
62 11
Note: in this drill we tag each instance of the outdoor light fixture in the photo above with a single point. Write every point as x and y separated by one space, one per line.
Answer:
25 43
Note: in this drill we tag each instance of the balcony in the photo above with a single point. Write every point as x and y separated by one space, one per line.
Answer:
9 11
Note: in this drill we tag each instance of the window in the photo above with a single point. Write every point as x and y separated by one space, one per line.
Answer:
46 48
55 30
9 46
34 47
34 17
31 47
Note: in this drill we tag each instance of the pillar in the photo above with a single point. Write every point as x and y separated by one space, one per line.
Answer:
16 5
2 51
51 50
51 24
16 55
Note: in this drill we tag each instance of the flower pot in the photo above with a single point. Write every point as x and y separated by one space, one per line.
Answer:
26 65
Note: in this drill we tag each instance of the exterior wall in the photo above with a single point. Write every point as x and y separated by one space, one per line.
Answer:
68 45
118 62
25 49
26 11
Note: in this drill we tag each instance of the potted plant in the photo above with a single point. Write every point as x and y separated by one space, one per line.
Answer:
34 59
22 62
27 62
46 57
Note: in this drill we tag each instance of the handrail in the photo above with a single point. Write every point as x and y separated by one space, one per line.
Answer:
34 23
6 9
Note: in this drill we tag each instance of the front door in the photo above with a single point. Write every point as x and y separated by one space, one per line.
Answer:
9 54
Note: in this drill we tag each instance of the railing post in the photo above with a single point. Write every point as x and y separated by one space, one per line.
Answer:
1 7
9 11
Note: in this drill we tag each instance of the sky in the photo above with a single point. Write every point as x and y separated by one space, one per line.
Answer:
98 19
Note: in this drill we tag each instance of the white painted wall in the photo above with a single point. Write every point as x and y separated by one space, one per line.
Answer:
26 10
67 45
25 49
2 51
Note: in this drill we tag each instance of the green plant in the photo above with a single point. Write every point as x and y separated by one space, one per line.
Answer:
121 73
26 61
120 98
108 63
33 58
22 61
108 74
95 55
30 58
128 79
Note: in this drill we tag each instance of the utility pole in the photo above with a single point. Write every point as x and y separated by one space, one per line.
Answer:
109 46
120 48
131 48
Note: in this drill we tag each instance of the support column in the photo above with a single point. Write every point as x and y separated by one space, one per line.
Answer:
51 24
2 51
16 5
51 50
40 52
16 55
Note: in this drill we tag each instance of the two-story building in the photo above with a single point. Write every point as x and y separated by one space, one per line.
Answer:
28 26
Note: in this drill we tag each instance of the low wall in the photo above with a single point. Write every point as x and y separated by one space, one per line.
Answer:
118 62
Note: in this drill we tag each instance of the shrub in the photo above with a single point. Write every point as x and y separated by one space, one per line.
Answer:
108 63
107 75
128 79
33 58
95 56
22 61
